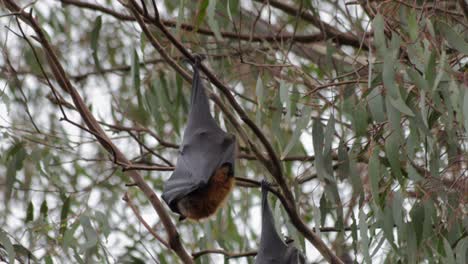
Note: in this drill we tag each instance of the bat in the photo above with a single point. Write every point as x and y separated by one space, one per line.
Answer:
272 249
204 173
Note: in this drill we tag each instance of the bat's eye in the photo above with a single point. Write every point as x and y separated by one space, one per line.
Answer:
203 133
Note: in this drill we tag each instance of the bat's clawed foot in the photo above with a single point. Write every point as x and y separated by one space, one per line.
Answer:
265 184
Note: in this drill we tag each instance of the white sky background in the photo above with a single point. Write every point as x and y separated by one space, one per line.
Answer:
97 95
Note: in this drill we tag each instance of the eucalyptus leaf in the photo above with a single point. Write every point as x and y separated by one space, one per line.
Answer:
300 126
95 40
8 246
453 38
364 237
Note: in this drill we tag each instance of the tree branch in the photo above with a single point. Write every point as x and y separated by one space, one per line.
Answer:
328 31
309 38
129 202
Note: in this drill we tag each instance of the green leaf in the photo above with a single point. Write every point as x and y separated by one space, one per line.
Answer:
135 72
392 151
465 109
393 115
24 253
395 44
417 218
259 89
388 75
397 208
63 215
411 245
89 231
375 175
95 40
388 225
460 250
344 166
180 16
399 104
320 213
413 28
300 126
430 71
355 176
449 256
440 70
228 7
318 144
48 260
6 243
379 35
212 21
103 223
283 92
30 212
44 209
453 38
15 158
201 13
376 105
68 239
329 132
364 236
260 99
418 80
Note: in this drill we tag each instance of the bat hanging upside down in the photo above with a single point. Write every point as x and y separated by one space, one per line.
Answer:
204 201
204 173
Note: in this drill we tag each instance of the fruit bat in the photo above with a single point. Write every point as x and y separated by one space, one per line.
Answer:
272 248
204 173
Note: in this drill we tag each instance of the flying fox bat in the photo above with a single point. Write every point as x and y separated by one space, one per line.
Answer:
272 248
204 173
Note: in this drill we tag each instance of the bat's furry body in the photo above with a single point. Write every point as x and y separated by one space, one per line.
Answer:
204 202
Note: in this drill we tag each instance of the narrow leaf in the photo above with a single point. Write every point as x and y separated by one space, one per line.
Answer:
90 233
6 243
259 91
212 21
379 35
64 215
465 109
374 175
135 72
44 211
364 237
300 126
30 212
95 40
453 38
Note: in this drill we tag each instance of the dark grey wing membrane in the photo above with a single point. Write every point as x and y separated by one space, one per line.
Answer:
272 249
205 147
